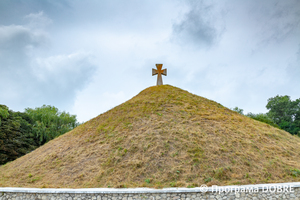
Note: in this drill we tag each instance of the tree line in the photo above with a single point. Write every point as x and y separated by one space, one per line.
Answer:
22 132
282 113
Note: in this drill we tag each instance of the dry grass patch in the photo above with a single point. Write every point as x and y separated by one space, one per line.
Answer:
163 137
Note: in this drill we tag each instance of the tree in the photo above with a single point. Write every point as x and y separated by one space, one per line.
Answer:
21 133
3 112
49 122
239 110
16 138
285 112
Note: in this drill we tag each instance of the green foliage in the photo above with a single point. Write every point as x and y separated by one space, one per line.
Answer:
285 112
173 184
3 112
247 175
219 173
295 172
263 118
207 180
21 133
16 138
239 110
190 186
49 122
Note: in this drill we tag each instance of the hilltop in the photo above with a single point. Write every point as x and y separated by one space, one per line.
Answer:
163 137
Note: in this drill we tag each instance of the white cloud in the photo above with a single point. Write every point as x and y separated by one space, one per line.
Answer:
16 40
200 27
276 20
100 53
30 79
59 77
38 20
57 69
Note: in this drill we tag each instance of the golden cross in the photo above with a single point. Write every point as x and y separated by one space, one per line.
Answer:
159 72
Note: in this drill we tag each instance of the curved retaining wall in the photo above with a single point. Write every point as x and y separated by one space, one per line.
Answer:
262 191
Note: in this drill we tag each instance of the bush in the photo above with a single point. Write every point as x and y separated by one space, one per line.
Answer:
262 118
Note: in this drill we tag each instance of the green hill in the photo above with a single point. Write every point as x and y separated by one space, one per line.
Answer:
163 137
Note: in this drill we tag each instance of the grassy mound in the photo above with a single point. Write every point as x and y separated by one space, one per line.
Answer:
163 137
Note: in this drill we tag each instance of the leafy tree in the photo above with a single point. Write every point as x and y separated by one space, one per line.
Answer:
16 138
239 110
21 133
3 112
49 122
285 112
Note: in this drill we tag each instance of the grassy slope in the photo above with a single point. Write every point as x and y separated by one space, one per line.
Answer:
162 137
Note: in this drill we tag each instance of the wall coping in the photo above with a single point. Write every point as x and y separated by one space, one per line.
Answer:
141 190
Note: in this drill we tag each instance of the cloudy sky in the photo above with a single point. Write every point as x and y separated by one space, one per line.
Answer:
86 57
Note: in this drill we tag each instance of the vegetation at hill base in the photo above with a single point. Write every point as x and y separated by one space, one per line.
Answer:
283 113
163 137
263 118
21 133
16 137
49 122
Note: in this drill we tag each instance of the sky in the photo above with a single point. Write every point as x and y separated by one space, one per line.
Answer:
86 57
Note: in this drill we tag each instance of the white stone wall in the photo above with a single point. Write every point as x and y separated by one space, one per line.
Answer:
228 192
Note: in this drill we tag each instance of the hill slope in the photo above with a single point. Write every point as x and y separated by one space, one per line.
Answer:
163 137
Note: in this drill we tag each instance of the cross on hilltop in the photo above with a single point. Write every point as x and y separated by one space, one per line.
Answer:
159 72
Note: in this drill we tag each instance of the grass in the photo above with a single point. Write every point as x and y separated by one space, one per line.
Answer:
163 137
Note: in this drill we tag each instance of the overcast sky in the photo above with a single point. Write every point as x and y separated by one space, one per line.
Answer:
86 57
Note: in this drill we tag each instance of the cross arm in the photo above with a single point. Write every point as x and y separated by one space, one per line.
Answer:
154 72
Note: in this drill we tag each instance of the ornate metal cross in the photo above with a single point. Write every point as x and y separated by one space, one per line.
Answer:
159 72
